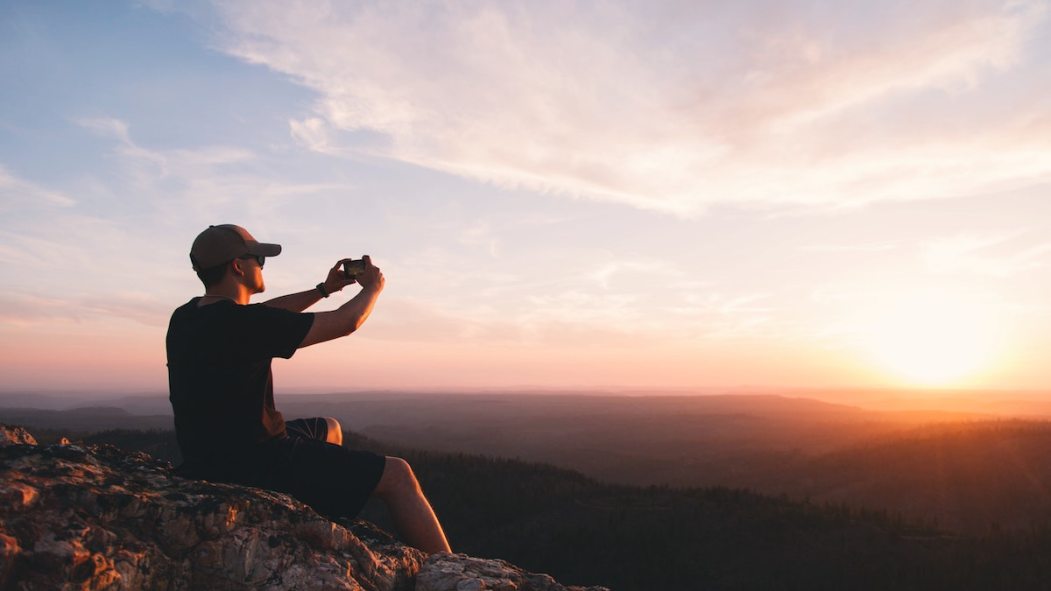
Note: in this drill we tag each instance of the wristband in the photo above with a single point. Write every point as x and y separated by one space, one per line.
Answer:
321 289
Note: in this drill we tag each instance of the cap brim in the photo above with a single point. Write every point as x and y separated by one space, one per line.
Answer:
264 249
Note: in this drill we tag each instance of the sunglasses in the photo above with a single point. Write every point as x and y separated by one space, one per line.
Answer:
258 258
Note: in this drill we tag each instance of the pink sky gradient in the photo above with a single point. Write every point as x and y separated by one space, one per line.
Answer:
588 195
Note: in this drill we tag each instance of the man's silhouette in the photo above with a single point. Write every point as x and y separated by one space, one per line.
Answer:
221 389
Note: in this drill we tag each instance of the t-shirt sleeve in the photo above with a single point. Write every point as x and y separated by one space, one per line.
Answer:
272 332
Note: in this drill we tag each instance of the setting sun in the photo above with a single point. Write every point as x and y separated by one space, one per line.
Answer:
932 338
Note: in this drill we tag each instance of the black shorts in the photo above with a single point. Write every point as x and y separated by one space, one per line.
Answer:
335 481
315 428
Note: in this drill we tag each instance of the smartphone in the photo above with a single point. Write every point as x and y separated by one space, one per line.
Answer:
354 268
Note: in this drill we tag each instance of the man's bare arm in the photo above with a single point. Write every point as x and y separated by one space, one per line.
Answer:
350 316
297 302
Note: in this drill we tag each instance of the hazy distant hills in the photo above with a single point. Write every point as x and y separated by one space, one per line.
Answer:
85 419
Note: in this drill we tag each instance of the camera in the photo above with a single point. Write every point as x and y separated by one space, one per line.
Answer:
353 268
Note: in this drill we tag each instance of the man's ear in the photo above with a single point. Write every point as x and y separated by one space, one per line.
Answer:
236 267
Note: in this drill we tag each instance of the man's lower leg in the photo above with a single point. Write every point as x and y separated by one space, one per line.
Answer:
416 522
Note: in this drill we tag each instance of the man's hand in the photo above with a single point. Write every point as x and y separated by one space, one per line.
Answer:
372 277
337 279
350 316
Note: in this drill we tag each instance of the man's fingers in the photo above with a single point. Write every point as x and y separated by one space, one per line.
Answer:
338 268
339 264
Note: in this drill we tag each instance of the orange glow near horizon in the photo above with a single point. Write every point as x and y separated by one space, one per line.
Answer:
919 339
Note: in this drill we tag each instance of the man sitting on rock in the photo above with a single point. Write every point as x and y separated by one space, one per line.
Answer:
221 389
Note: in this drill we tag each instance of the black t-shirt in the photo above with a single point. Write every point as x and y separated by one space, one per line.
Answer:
219 379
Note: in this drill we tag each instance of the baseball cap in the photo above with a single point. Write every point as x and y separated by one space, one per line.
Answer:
226 242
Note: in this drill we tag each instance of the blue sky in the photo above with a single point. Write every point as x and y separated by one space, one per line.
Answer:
614 194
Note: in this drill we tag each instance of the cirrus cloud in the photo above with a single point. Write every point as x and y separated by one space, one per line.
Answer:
670 107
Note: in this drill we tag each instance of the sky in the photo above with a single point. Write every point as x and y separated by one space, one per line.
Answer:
666 196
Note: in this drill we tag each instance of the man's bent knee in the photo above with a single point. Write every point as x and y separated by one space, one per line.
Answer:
397 478
335 431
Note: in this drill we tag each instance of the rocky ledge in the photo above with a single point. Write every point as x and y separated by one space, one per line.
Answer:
98 517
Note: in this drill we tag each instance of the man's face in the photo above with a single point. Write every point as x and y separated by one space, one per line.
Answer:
252 272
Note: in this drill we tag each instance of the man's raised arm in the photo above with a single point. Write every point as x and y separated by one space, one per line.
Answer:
297 302
351 315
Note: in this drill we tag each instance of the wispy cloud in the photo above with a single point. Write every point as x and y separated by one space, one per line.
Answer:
24 309
165 163
201 181
626 303
668 107
849 248
630 271
997 255
313 133
18 193
480 233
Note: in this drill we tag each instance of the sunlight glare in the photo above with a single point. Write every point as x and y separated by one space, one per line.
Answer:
933 338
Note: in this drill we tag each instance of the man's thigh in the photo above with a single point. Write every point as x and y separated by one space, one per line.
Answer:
334 480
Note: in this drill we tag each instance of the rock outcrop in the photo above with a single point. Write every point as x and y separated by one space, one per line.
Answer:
98 517
15 436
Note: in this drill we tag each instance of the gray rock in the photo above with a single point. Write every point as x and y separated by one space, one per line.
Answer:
98 517
459 572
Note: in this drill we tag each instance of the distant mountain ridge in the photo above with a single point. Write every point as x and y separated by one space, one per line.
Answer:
84 419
